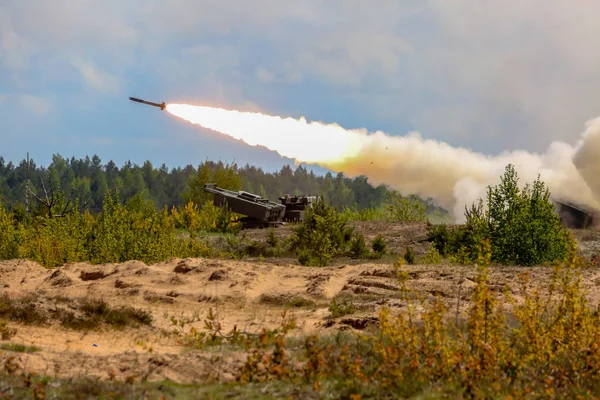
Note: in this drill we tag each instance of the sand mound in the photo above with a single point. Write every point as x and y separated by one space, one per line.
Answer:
247 295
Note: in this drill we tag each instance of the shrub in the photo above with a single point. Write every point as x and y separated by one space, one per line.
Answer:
431 257
192 248
378 245
323 234
134 231
406 209
55 241
8 236
341 308
522 226
272 239
188 218
226 221
365 214
237 246
6 332
358 247
409 255
304 257
208 218
121 232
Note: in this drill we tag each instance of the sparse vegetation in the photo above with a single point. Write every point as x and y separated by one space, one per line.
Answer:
95 312
485 356
409 255
432 256
212 335
272 239
365 214
341 307
23 310
286 301
18 348
6 332
84 314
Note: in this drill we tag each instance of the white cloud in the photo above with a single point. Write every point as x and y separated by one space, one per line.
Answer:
14 50
520 73
39 106
96 78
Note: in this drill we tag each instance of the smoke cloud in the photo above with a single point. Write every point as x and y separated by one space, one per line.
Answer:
587 157
456 177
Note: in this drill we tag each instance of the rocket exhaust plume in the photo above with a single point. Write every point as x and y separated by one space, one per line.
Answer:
455 177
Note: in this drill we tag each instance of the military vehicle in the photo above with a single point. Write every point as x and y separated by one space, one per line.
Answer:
574 216
259 212
295 206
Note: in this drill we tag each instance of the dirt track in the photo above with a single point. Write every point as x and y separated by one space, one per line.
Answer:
246 294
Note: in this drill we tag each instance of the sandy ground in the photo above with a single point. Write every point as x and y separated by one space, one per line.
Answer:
249 295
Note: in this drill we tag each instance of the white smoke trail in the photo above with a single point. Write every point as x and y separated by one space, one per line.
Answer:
455 177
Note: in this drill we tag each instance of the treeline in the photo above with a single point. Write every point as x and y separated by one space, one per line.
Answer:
89 180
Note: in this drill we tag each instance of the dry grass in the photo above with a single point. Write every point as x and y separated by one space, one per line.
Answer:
80 313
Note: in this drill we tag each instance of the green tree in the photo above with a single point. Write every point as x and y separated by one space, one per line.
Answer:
322 235
224 176
406 209
522 226
177 186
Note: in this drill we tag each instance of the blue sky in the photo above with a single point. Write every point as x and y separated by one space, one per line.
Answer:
490 76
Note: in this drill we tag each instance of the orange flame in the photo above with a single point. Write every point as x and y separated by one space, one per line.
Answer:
294 138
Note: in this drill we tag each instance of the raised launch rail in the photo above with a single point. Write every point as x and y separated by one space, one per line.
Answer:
260 212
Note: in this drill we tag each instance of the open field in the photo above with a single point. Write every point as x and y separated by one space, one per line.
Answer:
115 322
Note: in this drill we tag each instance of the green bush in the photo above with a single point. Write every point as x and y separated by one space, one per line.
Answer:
409 255
272 239
464 240
521 225
9 242
358 247
323 234
304 257
406 209
132 231
379 246
365 214
431 257
227 221
55 241
341 308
